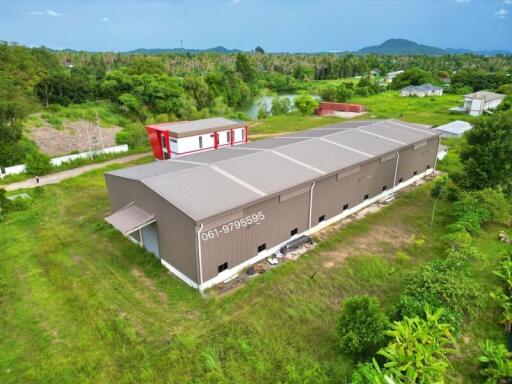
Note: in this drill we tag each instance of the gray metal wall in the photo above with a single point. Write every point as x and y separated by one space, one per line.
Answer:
176 231
331 194
242 244
418 159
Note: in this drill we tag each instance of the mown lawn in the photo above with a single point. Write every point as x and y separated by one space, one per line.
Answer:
288 123
80 303
424 110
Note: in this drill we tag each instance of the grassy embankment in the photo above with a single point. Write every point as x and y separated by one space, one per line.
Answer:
80 303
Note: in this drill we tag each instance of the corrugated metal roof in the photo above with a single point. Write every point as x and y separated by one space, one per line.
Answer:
350 124
157 168
457 127
233 177
273 142
318 132
187 128
201 192
268 172
398 131
216 155
365 142
322 155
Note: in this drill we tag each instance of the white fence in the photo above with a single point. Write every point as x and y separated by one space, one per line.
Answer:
17 169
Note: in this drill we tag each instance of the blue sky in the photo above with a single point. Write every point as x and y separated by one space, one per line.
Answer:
276 25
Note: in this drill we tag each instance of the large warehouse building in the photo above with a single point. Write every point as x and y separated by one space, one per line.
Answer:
211 214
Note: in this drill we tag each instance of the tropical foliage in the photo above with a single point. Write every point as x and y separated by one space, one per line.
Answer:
417 353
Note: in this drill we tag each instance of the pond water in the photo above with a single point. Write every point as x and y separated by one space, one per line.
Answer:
252 109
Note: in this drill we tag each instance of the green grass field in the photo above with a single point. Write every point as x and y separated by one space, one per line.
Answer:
288 123
80 303
424 110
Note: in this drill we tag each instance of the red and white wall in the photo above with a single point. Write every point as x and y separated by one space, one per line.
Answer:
167 147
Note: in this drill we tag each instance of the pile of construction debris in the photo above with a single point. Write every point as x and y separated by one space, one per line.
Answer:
290 251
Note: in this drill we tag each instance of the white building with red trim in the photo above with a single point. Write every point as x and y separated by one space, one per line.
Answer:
176 139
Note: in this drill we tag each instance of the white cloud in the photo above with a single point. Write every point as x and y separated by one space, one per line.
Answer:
236 1
501 14
105 19
462 1
507 2
49 12
53 13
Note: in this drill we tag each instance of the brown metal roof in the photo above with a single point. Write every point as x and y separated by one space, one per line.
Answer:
198 127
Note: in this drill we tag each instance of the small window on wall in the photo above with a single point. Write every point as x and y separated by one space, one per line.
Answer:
345 207
222 267
384 187
366 197
262 247
415 173
243 134
428 166
174 141
228 136
321 218
400 179
200 141
294 231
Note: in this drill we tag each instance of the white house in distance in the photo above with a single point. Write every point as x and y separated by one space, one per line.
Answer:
479 102
454 129
421 90
171 140
391 75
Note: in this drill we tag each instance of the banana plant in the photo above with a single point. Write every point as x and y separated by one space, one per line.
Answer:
505 302
496 362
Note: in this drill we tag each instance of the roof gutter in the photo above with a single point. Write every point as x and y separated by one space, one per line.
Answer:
199 258
437 153
311 202
396 168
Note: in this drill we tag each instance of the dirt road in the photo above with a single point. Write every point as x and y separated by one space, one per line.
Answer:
54 178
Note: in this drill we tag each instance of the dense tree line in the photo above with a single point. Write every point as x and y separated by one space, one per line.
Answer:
185 86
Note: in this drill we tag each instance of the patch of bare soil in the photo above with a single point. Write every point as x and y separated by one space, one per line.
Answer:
148 283
369 243
73 136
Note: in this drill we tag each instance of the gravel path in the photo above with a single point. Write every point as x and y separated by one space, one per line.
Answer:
54 178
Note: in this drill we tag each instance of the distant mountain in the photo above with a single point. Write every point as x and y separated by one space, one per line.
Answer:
159 51
488 52
402 47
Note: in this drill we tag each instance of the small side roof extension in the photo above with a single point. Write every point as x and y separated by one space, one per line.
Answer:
198 127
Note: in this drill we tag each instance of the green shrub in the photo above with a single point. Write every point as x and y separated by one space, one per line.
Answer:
361 325
496 363
306 104
134 135
476 208
37 163
461 247
444 284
